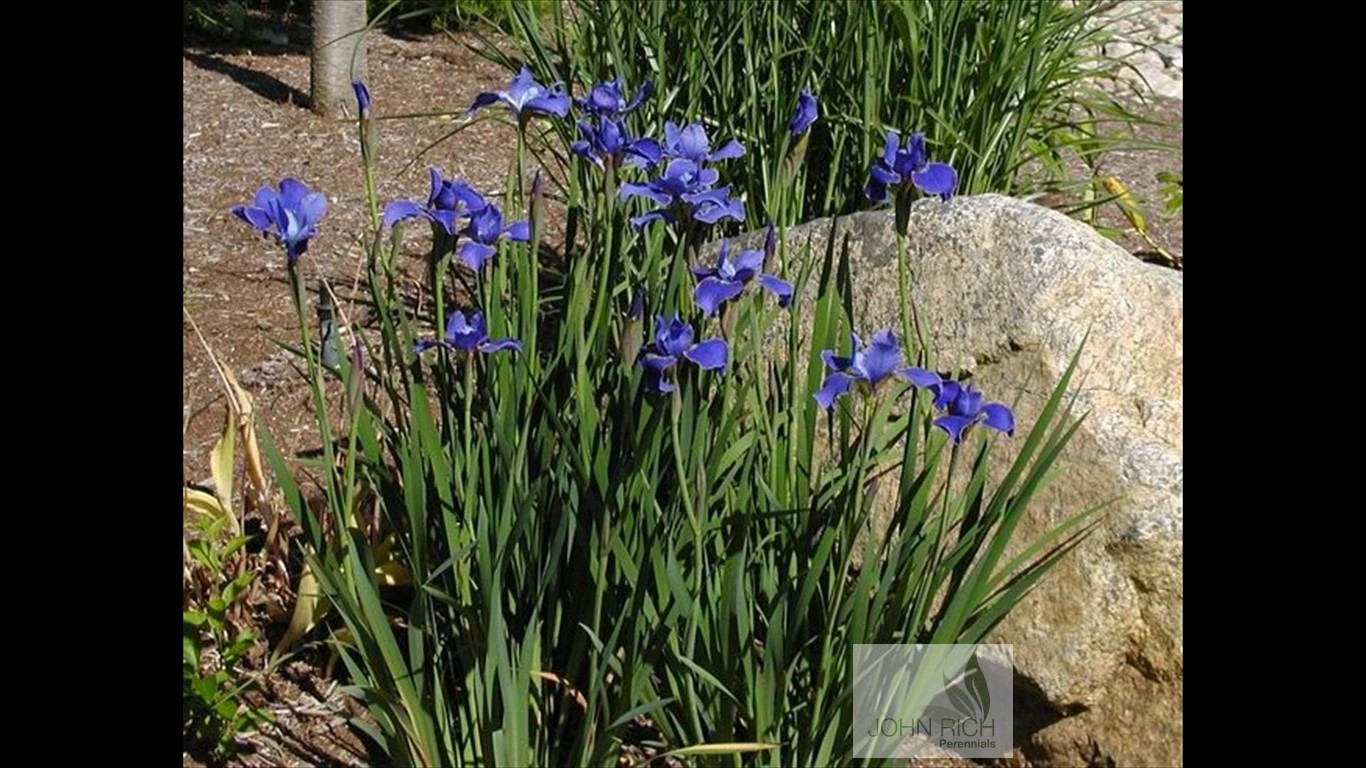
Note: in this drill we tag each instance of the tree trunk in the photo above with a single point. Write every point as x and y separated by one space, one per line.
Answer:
338 55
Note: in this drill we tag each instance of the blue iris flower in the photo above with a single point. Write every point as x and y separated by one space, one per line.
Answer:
484 231
609 143
291 214
806 114
685 189
673 341
468 336
362 97
962 405
525 97
728 278
867 367
900 167
691 143
608 99
447 202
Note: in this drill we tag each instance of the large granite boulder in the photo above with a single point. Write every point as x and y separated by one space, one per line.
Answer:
1008 290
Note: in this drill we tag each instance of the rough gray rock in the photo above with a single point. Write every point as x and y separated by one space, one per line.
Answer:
1008 290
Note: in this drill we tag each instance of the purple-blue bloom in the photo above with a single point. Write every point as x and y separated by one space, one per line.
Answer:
468 336
868 366
362 97
684 188
292 213
806 114
691 143
900 166
484 231
728 278
448 200
608 143
673 340
525 97
608 99
962 404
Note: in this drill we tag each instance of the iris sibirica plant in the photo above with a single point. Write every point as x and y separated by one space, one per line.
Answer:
529 552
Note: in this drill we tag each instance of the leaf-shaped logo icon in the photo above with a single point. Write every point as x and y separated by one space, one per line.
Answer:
976 683
970 694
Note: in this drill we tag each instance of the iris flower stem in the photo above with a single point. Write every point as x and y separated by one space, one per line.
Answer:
467 423
599 588
604 266
696 521
850 525
319 399
438 263
910 318
468 496
944 511
367 154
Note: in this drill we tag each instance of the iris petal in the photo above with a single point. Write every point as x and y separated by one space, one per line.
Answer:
254 216
954 425
712 292
921 377
499 345
553 104
881 358
875 191
643 153
834 386
456 325
947 393
400 210
835 362
748 260
475 254
890 142
264 197
998 417
447 220
292 191
483 100
313 207
780 288
709 355
968 403
640 221
731 150
710 213
936 179
632 189
658 362
883 175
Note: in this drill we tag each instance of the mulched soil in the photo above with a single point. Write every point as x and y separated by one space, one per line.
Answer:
244 128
